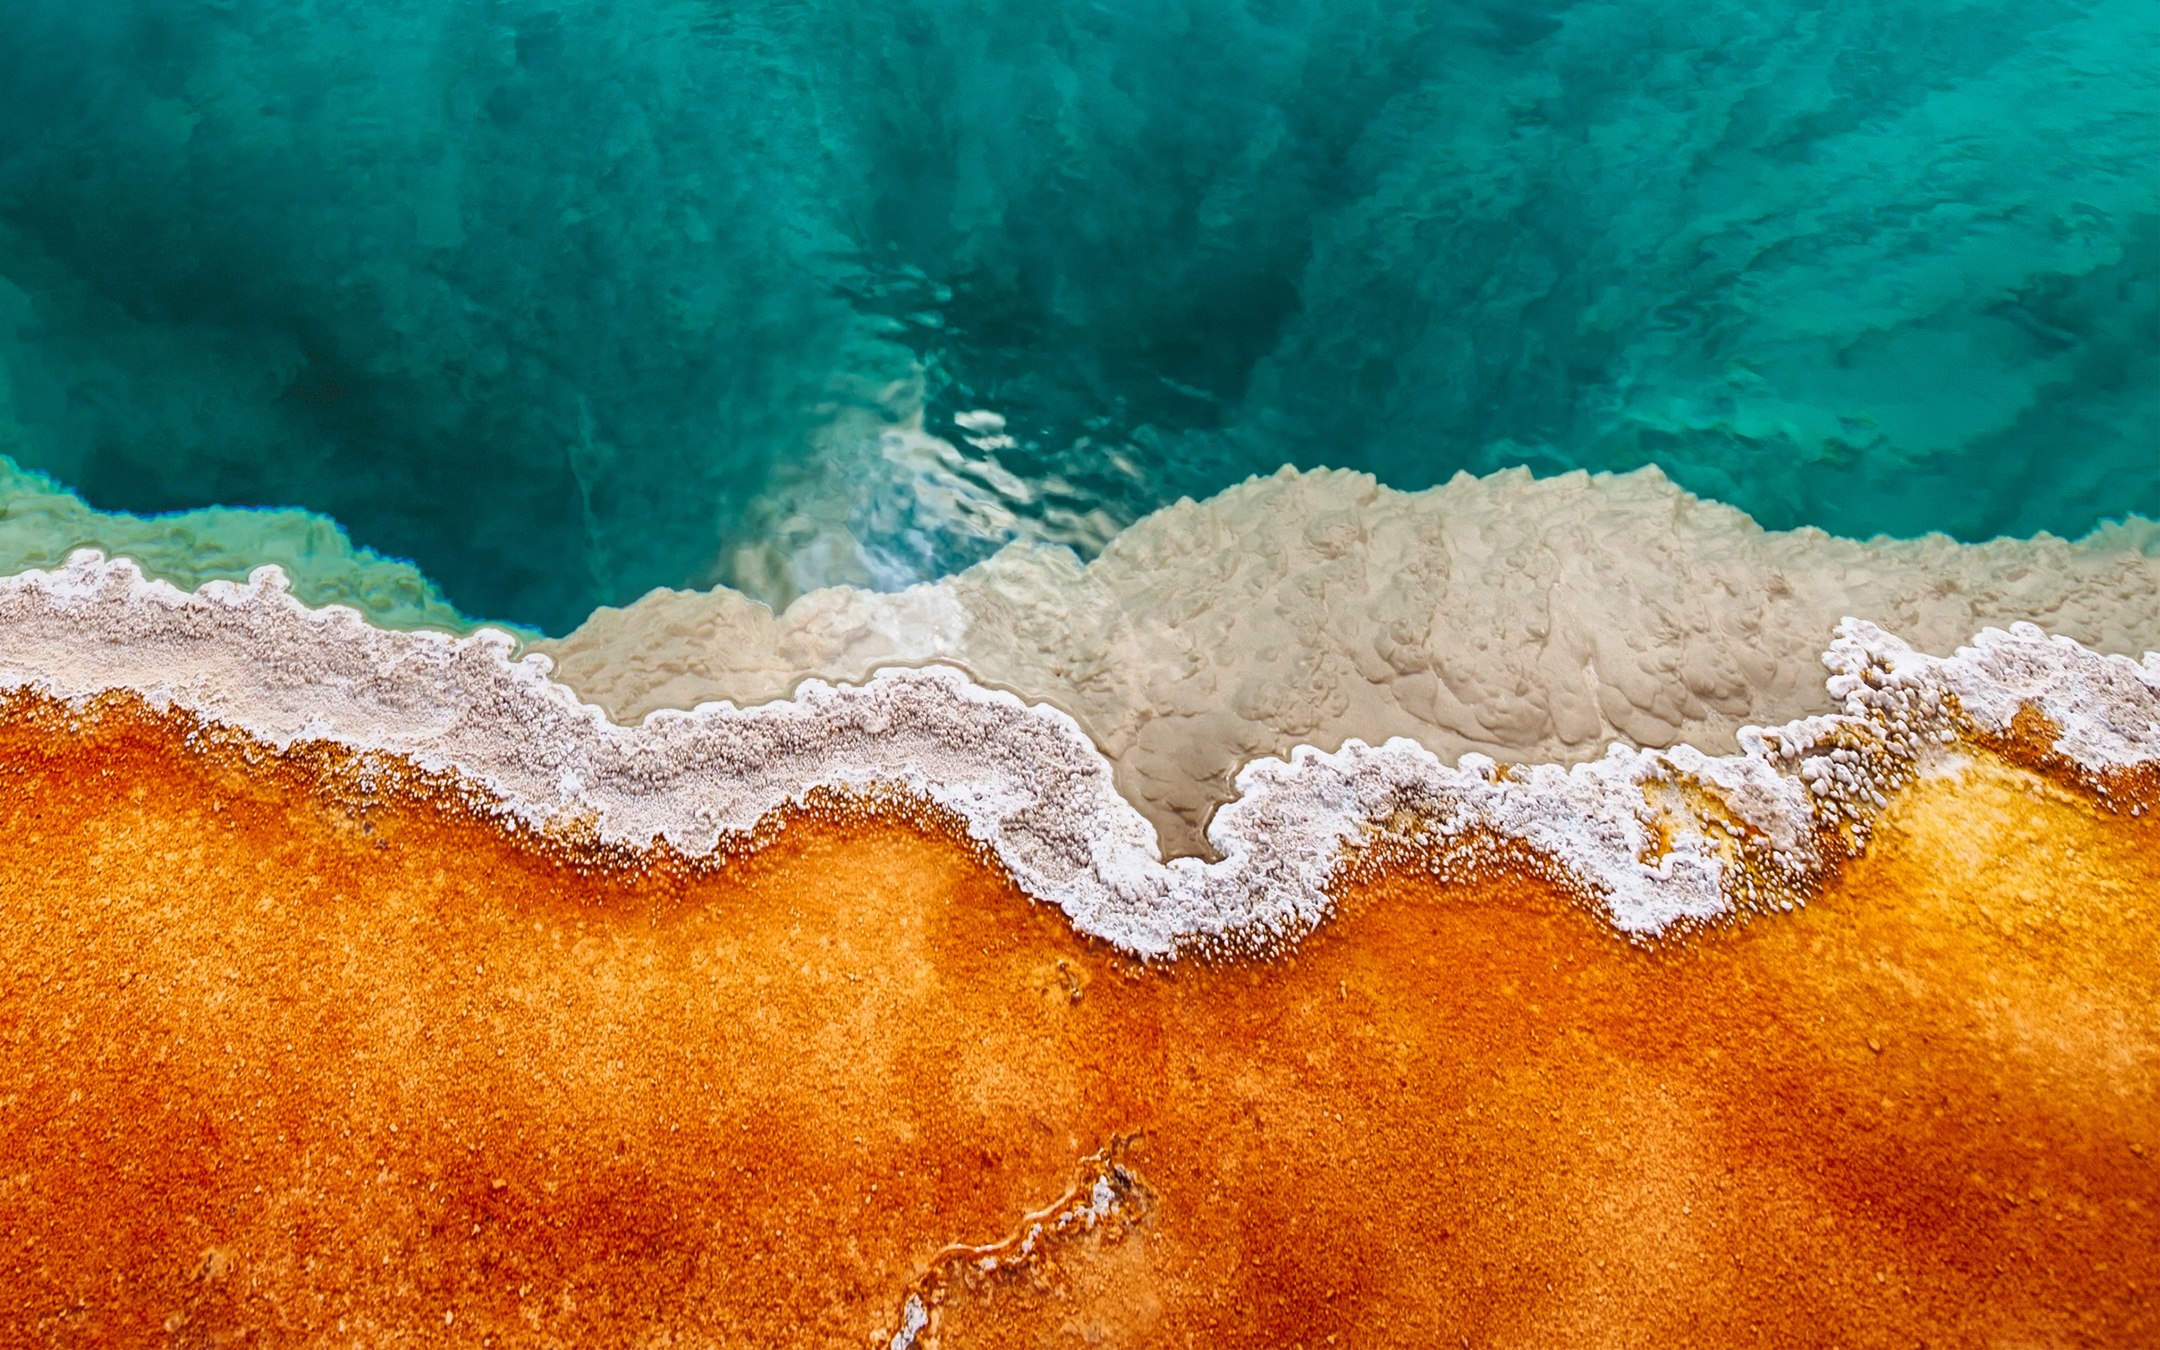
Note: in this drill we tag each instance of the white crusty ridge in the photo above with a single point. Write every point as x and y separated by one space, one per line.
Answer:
1656 837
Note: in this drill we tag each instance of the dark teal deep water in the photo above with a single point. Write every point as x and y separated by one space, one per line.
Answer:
569 300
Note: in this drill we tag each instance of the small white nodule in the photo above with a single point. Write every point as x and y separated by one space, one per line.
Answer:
912 1320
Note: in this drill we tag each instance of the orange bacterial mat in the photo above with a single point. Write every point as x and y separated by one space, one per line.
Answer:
284 1061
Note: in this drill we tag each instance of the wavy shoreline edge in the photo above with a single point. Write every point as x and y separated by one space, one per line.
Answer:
1656 839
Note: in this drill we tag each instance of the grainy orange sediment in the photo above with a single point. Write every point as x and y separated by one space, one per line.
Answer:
281 1066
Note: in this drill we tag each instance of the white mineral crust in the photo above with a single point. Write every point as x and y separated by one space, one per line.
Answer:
1034 788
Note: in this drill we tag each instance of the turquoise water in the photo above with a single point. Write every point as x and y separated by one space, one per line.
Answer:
564 301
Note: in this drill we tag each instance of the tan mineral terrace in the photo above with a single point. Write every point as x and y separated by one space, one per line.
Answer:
1527 619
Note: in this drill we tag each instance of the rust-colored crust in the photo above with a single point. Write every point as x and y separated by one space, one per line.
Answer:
298 1051
2029 743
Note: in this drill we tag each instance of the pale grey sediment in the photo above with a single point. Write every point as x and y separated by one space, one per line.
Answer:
1529 620
1656 838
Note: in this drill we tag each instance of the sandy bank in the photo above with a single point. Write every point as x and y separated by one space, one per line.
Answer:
1529 620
